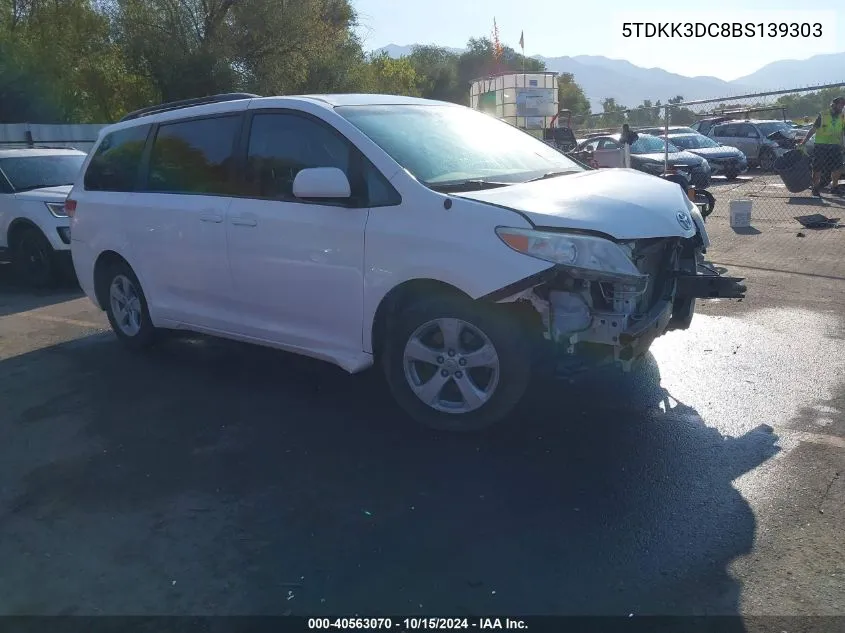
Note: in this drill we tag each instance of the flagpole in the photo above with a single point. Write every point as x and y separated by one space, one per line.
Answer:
524 82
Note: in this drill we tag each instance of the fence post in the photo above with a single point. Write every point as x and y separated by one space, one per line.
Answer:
626 146
30 142
666 142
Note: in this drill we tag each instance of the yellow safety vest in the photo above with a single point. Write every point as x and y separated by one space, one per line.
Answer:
830 132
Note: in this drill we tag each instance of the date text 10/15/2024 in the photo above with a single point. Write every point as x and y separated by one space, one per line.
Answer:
414 624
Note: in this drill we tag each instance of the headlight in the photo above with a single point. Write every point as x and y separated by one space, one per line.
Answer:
57 209
695 212
587 255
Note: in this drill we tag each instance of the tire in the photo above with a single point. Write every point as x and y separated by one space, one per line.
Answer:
731 175
498 383
705 197
33 259
133 327
824 181
683 310
767 160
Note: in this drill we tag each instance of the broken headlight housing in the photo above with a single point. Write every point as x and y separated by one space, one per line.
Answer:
585 256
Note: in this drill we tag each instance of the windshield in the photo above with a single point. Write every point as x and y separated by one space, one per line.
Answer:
777 126
651 145
35 172
446 144
693 142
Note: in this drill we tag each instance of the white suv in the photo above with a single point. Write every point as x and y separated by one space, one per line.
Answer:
456 251
34 229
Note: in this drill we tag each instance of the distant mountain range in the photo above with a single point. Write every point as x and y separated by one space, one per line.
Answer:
630 85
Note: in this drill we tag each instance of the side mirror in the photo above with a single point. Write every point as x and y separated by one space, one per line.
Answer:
321 182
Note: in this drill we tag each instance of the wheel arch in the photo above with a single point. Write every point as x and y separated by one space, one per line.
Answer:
104 262
17 226
400 296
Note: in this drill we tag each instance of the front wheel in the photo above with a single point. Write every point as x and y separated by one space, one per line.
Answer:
767 160
454 365
33 259
706 200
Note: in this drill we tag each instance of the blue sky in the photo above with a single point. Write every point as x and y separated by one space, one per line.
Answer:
562 27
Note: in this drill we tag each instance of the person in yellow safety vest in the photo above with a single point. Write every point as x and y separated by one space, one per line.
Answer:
827 154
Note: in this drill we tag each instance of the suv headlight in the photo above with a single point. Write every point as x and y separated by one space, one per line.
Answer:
588 257
57 209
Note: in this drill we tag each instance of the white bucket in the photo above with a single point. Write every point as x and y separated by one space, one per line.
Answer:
740 214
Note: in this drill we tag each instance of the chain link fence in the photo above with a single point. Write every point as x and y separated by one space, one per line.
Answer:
746 151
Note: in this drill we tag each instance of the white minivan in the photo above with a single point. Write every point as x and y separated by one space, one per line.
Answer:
459 253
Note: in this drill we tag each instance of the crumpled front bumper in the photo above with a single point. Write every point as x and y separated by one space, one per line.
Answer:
622 342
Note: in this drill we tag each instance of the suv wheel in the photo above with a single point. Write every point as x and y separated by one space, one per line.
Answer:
767 160
454 365
126 308
33 258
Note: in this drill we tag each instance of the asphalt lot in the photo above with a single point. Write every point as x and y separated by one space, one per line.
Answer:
207 477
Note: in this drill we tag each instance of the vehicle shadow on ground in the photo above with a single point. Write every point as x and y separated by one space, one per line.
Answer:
266 483
15 298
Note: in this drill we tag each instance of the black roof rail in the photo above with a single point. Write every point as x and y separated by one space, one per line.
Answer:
187 103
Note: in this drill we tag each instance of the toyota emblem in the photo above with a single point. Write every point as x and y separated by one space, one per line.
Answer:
684 220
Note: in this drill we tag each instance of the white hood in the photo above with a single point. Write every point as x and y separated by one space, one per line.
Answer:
623 203
46 194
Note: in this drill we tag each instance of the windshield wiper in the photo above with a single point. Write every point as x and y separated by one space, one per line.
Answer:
551 174
473 184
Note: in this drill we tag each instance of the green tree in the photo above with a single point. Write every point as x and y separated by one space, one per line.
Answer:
191 48
63 54
571 96
437 73
385 75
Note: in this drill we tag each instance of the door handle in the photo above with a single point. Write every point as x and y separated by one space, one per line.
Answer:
244 221
210 217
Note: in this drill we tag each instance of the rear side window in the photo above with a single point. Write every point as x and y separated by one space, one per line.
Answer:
115 164
194 156
747 131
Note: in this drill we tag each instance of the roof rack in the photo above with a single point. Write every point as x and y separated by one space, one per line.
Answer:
187 103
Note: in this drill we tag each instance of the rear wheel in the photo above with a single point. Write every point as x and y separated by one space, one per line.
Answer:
455 365
33 258
126 307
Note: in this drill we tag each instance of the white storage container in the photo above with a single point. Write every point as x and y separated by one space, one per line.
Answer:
740 211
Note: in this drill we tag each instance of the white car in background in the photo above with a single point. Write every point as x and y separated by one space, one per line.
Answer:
34 229
455 251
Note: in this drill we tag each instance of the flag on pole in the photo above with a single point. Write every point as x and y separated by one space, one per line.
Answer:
497 44
522 41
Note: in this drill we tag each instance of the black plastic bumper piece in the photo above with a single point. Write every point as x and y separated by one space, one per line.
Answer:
711 287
